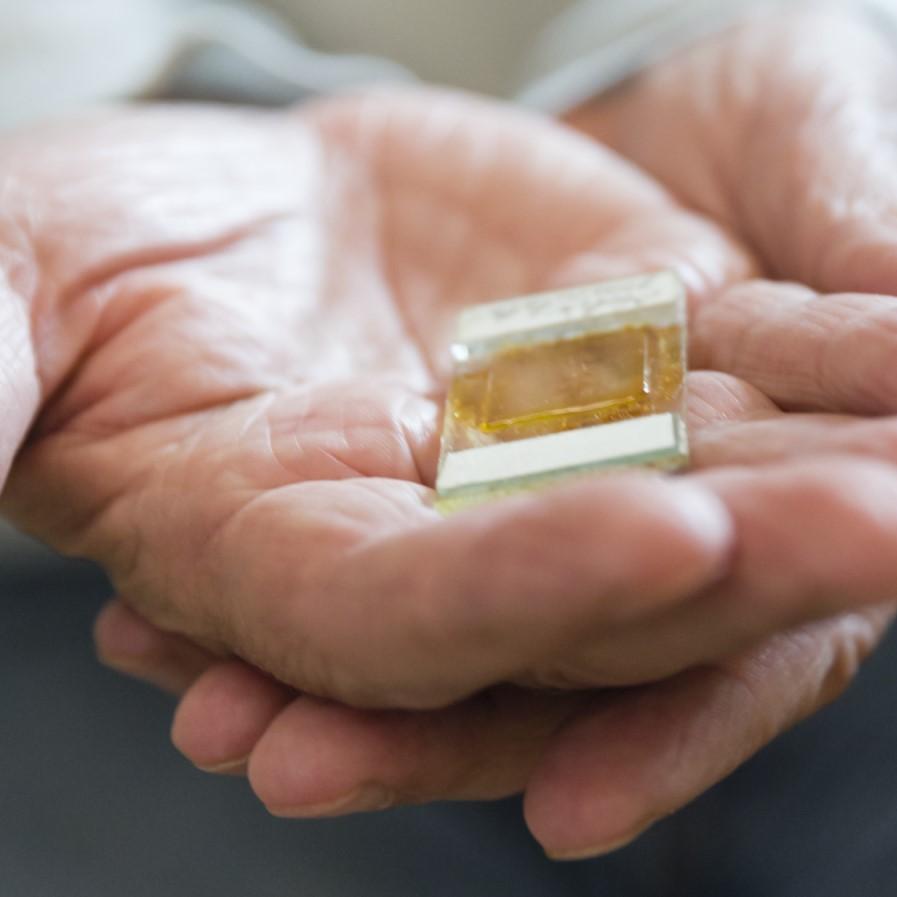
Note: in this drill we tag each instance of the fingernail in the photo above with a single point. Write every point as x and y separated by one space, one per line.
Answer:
229 767
366 799
124 635
588 853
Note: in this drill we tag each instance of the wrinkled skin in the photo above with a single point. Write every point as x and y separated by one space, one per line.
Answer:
782 130
241 377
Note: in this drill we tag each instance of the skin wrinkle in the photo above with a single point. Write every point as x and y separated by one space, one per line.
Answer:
83 535
850 318
721 147
196 410
129 262
18 262
321 676
738 340
386 256
424 468
91 284
391 442
845 316
824 105
19 378
678 89
203 564
128 573
741 407
826 250
818 107
569 147
874 439
626 222
379 258
678 754
480 766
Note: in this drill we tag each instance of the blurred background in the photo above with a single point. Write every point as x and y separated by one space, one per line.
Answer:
93 799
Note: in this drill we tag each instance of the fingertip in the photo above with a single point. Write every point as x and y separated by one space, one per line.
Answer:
593 851
573 818
224 714
130 645
119 633
609 547
816 537
661 521
674 537
613 771
703 520
314 759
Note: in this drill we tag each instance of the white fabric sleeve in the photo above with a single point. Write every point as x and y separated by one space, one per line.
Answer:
59 55
600 43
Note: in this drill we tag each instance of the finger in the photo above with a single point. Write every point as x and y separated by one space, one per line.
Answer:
733 424
318 757
775 439
129 644
713 397
423 618
717 401
222 717
804 351
224 713
226 705
639 755
324 759
816 537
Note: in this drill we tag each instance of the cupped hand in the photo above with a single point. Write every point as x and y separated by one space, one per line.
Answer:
239 321
781 129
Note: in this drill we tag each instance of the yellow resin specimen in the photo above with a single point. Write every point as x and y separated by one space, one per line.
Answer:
564 384
536 389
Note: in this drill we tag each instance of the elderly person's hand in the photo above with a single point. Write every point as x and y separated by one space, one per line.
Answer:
236 320
780 129
239 324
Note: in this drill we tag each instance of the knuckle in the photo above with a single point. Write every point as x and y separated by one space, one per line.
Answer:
849 641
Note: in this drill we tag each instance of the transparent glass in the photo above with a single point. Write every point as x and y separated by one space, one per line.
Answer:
557 384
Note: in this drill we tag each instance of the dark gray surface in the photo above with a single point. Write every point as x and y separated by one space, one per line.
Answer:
94 801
